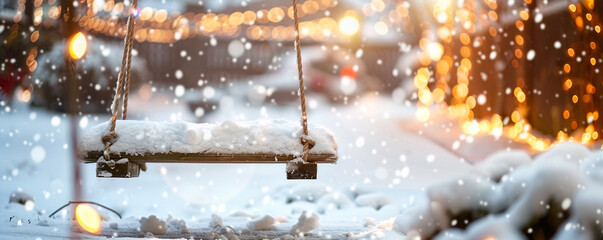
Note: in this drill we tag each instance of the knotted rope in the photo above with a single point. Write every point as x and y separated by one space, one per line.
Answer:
308 143
124 75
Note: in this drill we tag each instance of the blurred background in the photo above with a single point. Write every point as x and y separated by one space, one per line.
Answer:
402 83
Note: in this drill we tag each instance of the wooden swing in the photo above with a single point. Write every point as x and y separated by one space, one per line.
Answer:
126 149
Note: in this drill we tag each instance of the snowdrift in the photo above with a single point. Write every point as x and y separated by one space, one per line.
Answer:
557 196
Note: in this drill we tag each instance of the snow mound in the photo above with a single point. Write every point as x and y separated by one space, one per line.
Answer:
501 163
309 193
373 200
18 213
307 221
585 221
464 194
418 221
114 226
264 223
332 201
487 228
265 136
549 184
217 236
376 234
153 225
20 198
529 198
573 152
177 225
243 213
593 167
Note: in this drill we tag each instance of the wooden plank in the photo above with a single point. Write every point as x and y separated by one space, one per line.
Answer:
173 157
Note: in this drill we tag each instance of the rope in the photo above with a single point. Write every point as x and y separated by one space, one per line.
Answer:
308 144
123 73
128 73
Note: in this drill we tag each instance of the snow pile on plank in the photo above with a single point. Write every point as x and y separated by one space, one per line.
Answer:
557 196
255 137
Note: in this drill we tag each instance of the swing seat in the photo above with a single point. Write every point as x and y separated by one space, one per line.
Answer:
265 141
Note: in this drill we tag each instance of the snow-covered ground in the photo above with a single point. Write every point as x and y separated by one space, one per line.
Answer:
379 187
382 169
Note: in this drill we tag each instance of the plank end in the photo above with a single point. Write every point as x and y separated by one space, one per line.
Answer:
303 171
109 169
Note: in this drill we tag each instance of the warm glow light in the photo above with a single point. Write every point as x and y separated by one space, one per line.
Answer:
88 218
570 52
462 104
349 25
435 51
26 95
161 26
78 46
524 15
160 16
276 14
422 114
572 8
381 28
348 71
145 92
567 84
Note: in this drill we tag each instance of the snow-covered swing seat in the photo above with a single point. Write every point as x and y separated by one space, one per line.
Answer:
121 148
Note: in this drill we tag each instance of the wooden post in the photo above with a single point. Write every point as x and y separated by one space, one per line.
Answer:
69 29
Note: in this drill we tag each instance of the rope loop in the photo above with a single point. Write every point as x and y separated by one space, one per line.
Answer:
111 137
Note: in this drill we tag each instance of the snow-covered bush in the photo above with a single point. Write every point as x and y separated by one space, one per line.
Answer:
551 197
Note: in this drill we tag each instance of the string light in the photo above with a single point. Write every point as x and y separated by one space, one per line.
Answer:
78 45
156 25
349 24
462 103
88 218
